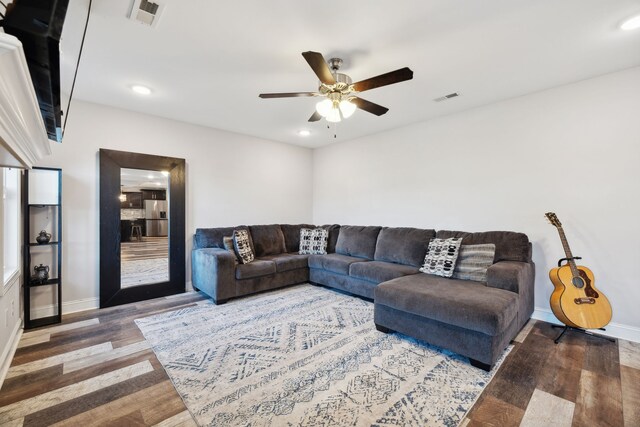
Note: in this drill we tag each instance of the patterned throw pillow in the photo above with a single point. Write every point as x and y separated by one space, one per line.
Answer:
473 262
227 241
313 242
441 256
242 246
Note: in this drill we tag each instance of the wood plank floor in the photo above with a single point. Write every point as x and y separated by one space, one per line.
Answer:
97 369
147 248
144 262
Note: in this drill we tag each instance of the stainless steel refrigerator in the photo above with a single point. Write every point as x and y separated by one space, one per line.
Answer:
156 214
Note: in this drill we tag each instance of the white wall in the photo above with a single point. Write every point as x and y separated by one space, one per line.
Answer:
574 150
231 179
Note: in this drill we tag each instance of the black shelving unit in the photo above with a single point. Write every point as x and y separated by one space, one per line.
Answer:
52 249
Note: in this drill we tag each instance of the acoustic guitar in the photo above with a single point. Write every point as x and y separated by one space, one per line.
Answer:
575 301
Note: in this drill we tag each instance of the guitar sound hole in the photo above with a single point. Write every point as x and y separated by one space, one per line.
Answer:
578 282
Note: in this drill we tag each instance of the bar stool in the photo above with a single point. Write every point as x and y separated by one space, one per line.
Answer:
137 231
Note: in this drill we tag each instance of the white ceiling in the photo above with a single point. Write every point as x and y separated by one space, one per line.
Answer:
207 61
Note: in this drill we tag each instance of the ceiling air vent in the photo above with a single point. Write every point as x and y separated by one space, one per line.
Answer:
145 12
444 98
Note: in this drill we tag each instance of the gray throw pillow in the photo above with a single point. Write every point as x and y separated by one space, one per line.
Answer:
227 241
242 246
313 241
441 256
473 262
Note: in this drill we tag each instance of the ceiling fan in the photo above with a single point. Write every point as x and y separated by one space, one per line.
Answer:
339 93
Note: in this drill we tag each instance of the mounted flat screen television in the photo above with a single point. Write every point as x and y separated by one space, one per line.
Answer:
38 26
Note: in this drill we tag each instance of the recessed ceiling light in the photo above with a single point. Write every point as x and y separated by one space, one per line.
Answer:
631 24
142 90
304 132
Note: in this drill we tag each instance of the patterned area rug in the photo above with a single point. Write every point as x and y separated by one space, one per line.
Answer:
307 356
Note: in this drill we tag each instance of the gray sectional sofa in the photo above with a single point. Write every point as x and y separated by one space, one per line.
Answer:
475 319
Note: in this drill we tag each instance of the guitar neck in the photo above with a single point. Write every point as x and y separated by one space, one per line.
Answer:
567 252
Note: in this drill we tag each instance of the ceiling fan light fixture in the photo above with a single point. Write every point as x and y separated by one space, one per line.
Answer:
324 107
337 89
333 116
347 108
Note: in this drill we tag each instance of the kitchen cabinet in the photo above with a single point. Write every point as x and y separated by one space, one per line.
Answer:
154 194
134 201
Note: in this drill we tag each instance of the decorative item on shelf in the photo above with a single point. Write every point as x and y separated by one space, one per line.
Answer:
43 237
41 274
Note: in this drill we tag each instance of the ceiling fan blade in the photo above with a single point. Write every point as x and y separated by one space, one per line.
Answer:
315 117
287 95
390 78
319 66
369 107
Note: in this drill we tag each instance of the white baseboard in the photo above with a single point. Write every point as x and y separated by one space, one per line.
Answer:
67 307
9 351
615 330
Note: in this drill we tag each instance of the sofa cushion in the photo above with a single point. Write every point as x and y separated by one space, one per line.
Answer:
267 239
441 257
334 232
380 271
242 246
510 246
228 245
287 262
292 235
473 262
469 305
514 276
258 267
403 245
213 237
357 241
335 263
313 241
